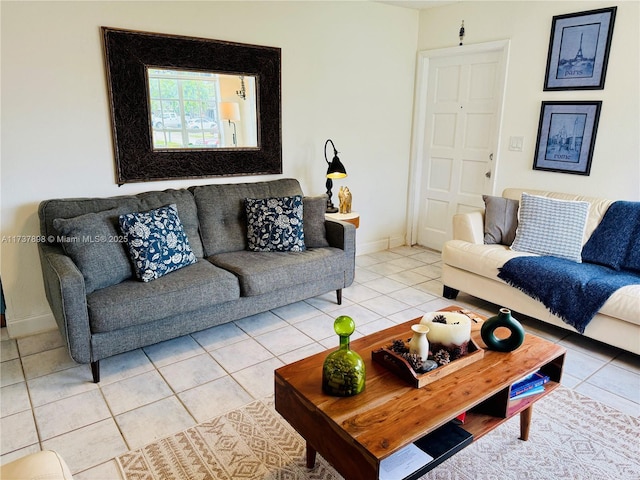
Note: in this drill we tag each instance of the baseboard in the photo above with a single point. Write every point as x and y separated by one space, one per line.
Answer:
379 245
24 327
397 242
372 247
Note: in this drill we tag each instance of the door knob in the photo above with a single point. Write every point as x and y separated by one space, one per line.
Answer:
488 174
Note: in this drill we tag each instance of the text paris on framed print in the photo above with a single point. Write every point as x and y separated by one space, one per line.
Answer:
566 136
579 50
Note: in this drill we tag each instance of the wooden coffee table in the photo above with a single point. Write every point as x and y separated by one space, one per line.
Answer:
356 433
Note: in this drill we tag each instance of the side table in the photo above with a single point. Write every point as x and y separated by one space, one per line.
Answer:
353 217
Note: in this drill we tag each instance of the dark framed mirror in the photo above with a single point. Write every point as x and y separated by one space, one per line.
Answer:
186 107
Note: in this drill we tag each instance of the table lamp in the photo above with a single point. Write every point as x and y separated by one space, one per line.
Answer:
335 170
231 111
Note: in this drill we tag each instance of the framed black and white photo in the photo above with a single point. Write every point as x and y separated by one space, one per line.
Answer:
579 50
566 136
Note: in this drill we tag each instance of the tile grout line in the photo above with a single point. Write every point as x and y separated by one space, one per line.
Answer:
480 306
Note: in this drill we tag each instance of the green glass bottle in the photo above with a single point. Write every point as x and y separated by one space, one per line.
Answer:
343 372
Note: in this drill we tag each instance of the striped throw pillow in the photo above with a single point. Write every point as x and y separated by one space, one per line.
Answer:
547 226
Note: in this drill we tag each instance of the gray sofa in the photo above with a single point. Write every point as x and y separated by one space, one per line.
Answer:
103 310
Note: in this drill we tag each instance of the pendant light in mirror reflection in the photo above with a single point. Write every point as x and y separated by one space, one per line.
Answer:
201 110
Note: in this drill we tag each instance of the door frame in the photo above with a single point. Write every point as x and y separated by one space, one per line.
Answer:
420 119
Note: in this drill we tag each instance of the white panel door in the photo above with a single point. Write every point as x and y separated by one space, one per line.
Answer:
462 108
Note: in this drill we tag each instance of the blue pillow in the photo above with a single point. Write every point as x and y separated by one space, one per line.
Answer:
275 224
632 260
611 242
157 242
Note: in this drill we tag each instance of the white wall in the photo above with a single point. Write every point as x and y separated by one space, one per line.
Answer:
615 170
347 74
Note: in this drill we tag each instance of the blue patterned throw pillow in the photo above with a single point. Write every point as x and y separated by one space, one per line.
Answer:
275 224
548 226
157 242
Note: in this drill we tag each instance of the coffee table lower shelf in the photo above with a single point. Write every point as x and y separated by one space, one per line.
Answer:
425 454
479 424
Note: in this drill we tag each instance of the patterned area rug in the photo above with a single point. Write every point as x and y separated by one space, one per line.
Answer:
572 437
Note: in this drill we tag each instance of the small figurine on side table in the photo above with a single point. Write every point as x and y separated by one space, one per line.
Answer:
344 195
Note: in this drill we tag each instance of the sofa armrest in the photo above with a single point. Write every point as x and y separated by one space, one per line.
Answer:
45 464
342 235
65 290
469 227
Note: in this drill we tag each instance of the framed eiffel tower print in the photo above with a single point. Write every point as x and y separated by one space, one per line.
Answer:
579 50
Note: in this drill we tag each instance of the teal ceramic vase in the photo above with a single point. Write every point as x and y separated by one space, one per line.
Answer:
503 319
343 372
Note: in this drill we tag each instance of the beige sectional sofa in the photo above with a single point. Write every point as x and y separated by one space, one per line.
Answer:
471 266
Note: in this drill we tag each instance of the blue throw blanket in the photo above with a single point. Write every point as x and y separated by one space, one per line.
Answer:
576 291
572 291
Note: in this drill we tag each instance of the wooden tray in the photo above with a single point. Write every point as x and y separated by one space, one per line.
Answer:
401 367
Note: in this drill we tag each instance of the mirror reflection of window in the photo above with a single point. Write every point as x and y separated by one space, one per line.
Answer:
186 110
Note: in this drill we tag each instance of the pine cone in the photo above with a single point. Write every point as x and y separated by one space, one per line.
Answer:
442 357
455 353
414 360
398 346
439 319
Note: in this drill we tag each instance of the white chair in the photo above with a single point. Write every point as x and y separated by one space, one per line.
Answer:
44 465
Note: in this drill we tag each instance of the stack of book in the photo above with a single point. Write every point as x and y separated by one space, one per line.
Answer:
529 385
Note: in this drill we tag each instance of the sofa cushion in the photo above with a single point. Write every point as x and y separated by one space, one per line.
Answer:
275 224
264 272
131 302
551 227
157 242
223 220
480 259
49 210
500 220
623 304
94 243
315 232
485 260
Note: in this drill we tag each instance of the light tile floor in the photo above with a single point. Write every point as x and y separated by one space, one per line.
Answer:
49 402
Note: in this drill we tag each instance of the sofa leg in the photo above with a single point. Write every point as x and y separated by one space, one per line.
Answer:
450 293
95 371
339 296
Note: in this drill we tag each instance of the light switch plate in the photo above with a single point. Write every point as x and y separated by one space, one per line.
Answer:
515 144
